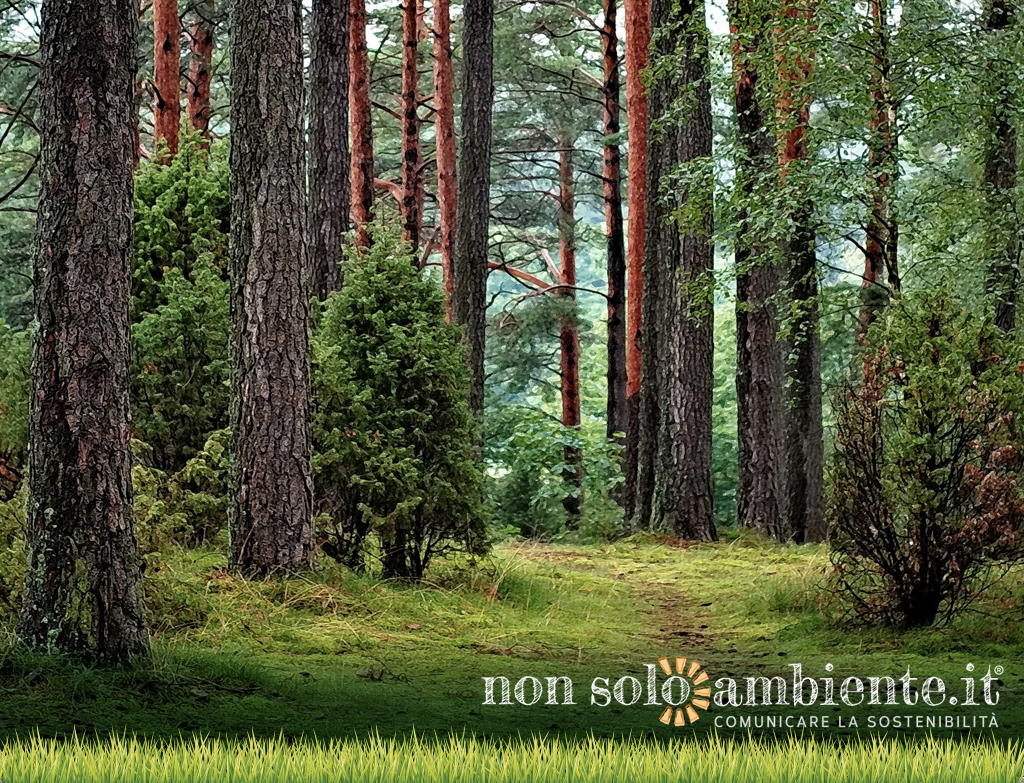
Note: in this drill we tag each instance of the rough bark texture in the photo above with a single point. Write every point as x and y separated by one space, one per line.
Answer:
197 99
444 130
569 336
881 273
803 484
638 38
412 199
1000 172
618 410
83 593
362 123
272 495
330 199
469 270
167 74
759 360
674 474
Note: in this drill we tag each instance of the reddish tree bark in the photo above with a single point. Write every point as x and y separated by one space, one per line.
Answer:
618 408
803 484
569 337
412 156
167 74
881 273
638 40
362 123
444 129
198 93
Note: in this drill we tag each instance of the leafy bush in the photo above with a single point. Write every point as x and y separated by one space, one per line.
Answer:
181 378
925 504
393 436
180 374
15 350
12 552
182 219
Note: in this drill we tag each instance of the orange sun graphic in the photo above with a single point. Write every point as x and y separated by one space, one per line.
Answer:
699 696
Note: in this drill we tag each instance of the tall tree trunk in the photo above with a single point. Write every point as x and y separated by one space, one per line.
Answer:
638 38
759 360
444 131
197 99
362 123
330 198
83 592
1002 241
569 336
167 74
618 409
271 522
469 270
411 150
674 478
881 273
803 497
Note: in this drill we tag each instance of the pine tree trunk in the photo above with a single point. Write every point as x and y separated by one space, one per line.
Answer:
469 270
803 483
444 130
759 360
272 495
618 409
638 36
569 336
411 151
674 481
167 74
83 593
362 123
330 199
198 93
881 273
999 153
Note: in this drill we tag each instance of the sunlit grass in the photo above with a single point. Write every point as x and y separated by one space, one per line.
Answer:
468 760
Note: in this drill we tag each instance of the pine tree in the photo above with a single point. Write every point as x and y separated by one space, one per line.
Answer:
674 451
330 198
270 514
361 122
83 593
469 268
166 69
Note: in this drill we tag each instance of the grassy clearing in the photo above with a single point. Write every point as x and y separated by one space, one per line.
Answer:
462 760
333 654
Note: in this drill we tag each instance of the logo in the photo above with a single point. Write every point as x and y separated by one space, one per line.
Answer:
691 695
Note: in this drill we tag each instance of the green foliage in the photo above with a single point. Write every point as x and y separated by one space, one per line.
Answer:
924 500
12 552
15 355
180 372
393 436
182 213
181 382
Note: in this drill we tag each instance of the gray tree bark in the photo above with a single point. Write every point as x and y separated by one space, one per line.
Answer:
469 267
83 592
330 182
272 495
674 479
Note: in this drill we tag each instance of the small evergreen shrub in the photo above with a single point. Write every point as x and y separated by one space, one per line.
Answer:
393 435
180 338
925 507
15 358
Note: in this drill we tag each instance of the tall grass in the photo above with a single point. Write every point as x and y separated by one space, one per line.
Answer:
463 760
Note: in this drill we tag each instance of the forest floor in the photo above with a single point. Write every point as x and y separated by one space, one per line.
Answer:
339 655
